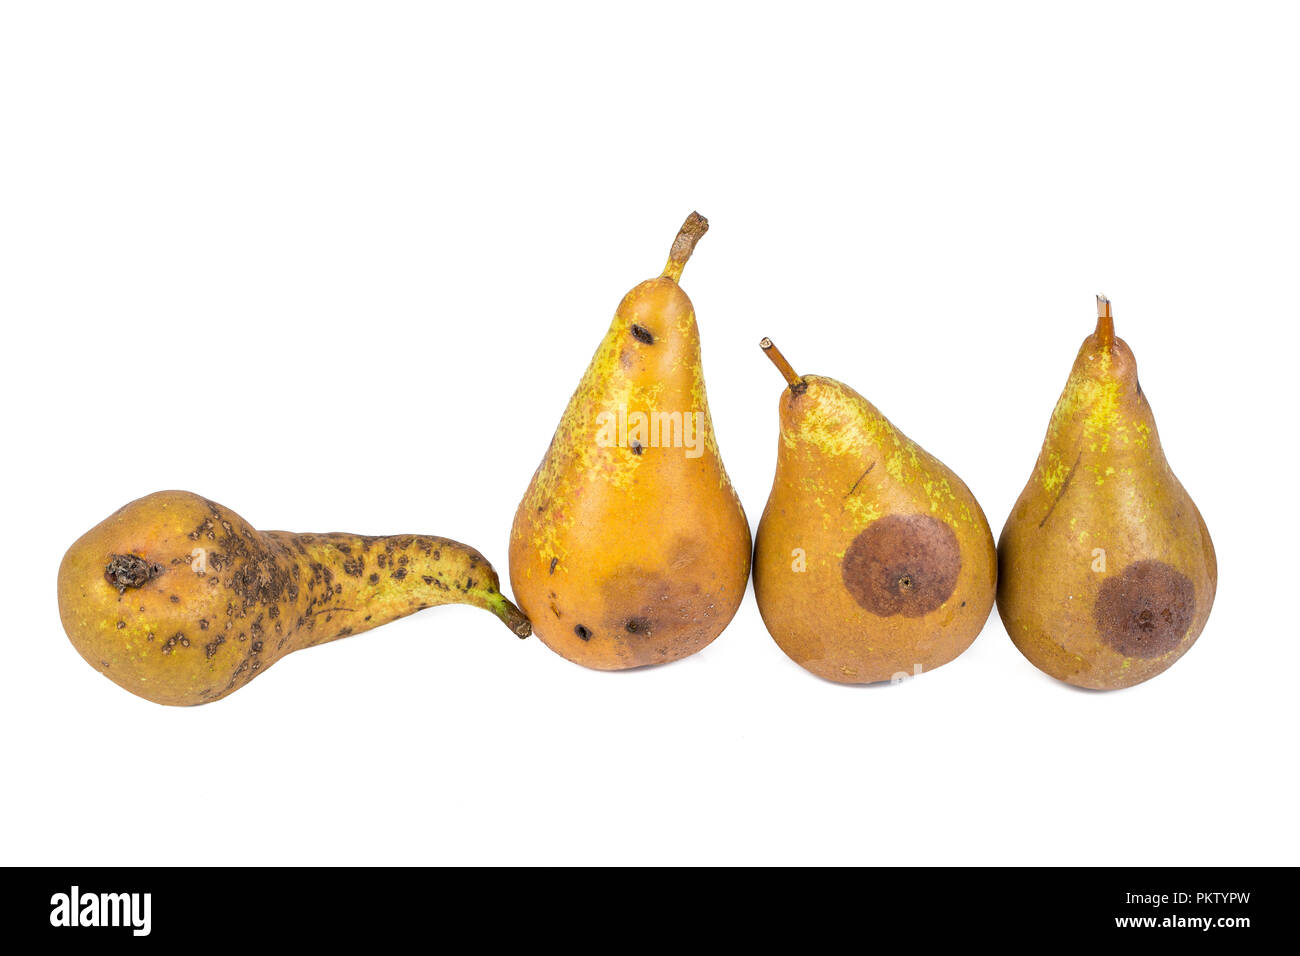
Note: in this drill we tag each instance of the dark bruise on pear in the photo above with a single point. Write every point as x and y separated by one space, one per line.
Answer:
1107 571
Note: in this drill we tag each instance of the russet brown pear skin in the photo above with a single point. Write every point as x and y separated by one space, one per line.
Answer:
872 559
630 546
181 601
1107 569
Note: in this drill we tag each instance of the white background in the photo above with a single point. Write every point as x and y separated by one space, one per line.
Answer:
340 266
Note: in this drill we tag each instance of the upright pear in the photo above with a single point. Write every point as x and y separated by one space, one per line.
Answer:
1107 569
630 546
873 560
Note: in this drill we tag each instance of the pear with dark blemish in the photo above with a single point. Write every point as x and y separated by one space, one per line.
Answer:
1107 569
630 546
181 601
873 560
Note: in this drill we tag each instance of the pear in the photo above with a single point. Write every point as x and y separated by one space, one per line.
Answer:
1107 569
873 560
630 546
181 601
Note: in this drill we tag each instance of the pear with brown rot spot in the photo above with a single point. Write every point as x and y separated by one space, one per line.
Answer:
181 601
630 546
1107 569
873 560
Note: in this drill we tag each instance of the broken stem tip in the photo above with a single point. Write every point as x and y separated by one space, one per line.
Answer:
692 229
514 618
1105 323
771 351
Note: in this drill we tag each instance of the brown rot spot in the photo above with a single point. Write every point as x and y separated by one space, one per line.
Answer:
636 446
203 625
902 564
353 567
554 562
399 574
654 612
121 624
175 599
374 579
642 334
130 571
582 632
1145 610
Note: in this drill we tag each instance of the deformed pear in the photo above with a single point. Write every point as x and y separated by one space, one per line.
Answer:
630 546
181 601
872 560
1107 569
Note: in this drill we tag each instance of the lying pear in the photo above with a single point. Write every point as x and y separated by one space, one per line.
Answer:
181 601
1107 569
873 561
630 546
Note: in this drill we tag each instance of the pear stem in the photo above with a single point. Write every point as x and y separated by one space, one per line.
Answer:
513 618
1105 323
792 377
692 229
